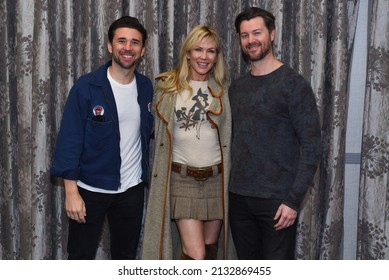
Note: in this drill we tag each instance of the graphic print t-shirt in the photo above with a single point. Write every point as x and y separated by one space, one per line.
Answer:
195 142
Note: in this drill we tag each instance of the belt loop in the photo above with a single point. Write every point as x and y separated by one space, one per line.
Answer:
184 168
215 171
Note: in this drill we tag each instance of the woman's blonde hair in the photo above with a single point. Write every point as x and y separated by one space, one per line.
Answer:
177 80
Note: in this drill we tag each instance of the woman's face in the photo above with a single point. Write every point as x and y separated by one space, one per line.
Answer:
201 59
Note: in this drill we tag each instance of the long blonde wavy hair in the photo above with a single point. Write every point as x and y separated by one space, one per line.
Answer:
177 80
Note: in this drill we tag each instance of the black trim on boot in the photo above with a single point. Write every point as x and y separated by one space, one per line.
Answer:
185 257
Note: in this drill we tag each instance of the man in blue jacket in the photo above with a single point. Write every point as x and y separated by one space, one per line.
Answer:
102 148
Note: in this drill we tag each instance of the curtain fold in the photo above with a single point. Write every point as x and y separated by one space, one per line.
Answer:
47 45
341 30
373 231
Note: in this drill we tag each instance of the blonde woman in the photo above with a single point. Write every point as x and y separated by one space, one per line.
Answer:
186 215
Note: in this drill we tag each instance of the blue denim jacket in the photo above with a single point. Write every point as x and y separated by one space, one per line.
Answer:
89 150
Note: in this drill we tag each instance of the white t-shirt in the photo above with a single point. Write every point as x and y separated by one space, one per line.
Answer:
126 99
195 142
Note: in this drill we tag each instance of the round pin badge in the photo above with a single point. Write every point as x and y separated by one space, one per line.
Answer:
98 110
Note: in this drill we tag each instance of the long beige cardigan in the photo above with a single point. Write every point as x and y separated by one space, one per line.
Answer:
161 239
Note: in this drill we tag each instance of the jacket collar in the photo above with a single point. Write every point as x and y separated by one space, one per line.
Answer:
215 88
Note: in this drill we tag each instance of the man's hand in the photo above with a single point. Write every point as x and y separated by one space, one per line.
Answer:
286 217
74 204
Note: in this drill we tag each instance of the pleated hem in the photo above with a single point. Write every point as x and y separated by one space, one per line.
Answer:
204 209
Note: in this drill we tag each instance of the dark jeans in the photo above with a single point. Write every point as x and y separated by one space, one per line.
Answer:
124 212
252 227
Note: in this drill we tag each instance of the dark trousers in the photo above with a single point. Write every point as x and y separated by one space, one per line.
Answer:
124 212
252 227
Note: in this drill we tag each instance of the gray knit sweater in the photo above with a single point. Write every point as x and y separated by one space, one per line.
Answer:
276 143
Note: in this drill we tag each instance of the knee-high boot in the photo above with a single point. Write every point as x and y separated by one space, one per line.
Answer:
211 251
185 257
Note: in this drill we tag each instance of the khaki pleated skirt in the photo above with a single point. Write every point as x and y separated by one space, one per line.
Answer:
199 200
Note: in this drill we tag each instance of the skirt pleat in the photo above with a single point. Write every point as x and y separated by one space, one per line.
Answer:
199 200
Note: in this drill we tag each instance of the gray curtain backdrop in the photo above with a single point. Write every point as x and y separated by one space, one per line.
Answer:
373 229
47 44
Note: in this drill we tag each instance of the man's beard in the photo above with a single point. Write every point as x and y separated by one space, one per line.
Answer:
116 58
264 52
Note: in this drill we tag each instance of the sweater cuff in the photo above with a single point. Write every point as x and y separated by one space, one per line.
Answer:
292 205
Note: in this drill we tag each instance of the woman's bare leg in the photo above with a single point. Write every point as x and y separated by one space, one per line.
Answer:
195 235
192 237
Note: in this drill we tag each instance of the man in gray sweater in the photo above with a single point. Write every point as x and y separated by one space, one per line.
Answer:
276 144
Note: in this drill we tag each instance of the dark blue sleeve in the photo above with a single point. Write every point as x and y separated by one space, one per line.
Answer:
69 143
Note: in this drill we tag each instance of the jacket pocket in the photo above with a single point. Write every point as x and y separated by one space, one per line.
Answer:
99 135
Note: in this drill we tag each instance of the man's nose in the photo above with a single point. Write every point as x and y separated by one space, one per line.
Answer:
128 45
251 38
